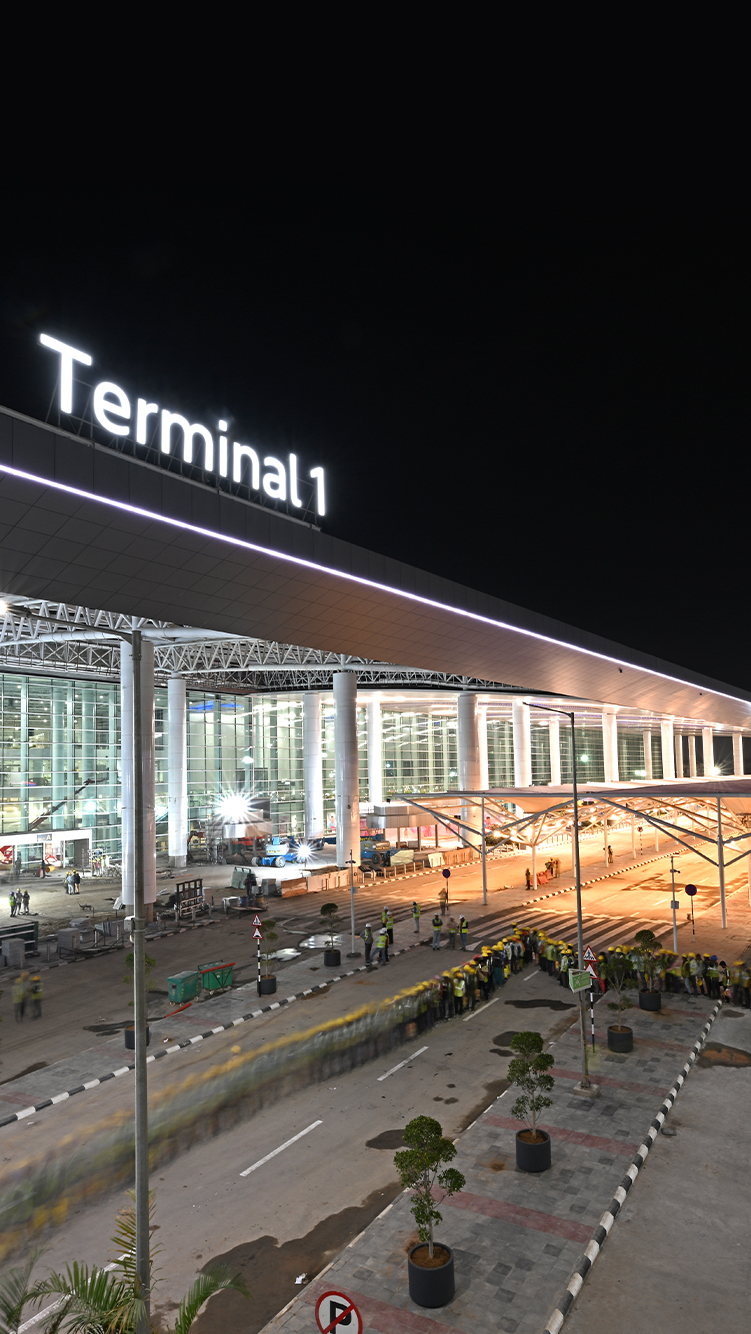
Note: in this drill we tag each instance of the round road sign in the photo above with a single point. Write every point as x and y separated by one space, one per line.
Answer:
691 890
335 1311
446 872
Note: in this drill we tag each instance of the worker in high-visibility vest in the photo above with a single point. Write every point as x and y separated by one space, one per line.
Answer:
416 910
463 930
382 944
459 991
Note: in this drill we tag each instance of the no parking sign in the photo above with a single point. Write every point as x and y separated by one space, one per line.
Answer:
335 1311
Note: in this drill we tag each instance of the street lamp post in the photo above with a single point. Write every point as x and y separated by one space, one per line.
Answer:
674 903
483 848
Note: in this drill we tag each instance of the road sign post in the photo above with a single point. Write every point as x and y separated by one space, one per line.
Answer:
691 890
258 937
578 981
674 904
335 1311
447 876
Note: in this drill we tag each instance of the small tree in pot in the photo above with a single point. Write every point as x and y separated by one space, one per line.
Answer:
421 1167
528 1071
620 1036
330 923
649 950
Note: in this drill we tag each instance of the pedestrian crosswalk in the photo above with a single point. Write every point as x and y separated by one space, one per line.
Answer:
599 931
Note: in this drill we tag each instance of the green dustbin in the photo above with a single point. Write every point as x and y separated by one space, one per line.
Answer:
215 976
182 987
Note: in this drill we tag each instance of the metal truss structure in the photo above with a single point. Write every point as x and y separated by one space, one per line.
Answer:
59 639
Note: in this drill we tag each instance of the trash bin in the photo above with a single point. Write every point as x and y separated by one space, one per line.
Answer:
215 976
182 987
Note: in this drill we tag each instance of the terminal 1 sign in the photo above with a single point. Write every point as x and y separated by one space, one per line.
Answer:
193 443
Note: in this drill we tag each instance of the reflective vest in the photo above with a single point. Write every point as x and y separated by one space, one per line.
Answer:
383 939
464 926
458 986
389 920
416 910
437 923
384 917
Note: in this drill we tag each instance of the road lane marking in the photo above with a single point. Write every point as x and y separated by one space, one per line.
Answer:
286 1145
394 1068
472 1014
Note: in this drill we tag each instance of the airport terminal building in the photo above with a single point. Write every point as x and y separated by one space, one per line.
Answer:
283 669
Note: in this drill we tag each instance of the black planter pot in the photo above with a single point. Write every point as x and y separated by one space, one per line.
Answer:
533 1157
431 1287
620 1040
650 1000
130 1037
267 986
332 958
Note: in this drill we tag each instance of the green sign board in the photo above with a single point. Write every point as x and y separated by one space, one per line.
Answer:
579 981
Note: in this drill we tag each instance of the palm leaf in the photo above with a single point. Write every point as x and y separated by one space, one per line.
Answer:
216 1279
15 1293
91 1300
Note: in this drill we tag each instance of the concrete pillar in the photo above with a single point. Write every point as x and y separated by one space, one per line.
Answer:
522 743
678 748
707 743
312 763
610 744
346 769
692 756
738 754
647 738
554 732
468 756
666 745
482 732
375 750
148 771
177 772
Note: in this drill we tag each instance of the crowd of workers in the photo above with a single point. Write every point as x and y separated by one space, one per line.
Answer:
19 903
459 988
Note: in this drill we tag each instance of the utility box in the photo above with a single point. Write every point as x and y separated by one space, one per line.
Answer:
14 953
182 987
215 976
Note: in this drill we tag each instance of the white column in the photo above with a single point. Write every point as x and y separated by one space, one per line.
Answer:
468 756
375 750
346 776
610 744
647 738
666 743
554 732
522 743
707 743
692 756
177 772
60 819
312 764
482 731
678 748
738 754
148 772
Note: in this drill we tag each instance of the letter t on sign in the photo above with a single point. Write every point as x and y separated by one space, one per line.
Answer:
67 356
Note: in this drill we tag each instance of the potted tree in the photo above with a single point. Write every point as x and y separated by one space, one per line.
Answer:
330 923
421 1168
620 1036
528 1071
649 948
267 984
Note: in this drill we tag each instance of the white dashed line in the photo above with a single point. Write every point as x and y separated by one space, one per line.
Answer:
286 1145
394 1068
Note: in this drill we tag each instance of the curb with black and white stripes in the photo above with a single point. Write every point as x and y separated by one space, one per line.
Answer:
602 1230
198 1037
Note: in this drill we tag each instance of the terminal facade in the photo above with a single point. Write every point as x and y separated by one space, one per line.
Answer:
281 666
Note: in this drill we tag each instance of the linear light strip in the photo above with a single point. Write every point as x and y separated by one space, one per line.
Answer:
355 579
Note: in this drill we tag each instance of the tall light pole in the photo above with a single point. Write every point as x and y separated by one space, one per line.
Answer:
585 1086
143 1268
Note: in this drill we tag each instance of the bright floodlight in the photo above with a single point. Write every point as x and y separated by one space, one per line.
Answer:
234 808
303 852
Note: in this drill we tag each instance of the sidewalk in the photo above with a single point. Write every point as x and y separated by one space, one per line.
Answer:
517 1238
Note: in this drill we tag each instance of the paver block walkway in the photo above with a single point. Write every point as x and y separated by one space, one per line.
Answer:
516 1237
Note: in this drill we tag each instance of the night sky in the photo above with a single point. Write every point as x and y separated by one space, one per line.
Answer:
546 403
